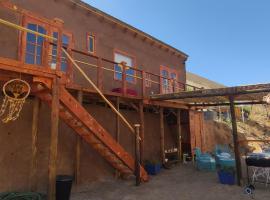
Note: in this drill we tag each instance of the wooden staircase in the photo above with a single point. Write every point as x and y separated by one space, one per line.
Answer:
84 124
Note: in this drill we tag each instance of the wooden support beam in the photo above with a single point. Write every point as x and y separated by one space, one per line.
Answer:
54 140
124 82
235 141
78 146
162 143
228 91
142 131
33 171
137 155
167 104
117 137
179 134
226 104
100 74
143 84
117 120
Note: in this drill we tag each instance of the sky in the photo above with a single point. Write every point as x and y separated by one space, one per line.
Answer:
228 41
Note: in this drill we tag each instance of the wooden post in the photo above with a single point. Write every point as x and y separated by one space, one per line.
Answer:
100 74
142 131
33 171
162 144
54 140
179 135
235 141
78 146
137 155
117 137
117 120
143 83
124 82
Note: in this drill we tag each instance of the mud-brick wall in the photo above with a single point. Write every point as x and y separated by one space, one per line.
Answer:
15 147
9 37
109 38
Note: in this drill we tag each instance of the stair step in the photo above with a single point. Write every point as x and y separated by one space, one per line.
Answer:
93 133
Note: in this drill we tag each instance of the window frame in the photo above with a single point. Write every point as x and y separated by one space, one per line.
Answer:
50 26
134 81
23 42
93 35
170 83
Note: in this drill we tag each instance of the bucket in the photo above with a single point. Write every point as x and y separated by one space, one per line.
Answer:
63 187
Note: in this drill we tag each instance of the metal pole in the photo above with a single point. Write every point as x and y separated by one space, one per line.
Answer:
137 154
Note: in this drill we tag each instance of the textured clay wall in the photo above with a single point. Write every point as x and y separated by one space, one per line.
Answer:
15 143
109 37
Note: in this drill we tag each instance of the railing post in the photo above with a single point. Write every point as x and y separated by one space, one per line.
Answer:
124 82
100 74
143 83
137 155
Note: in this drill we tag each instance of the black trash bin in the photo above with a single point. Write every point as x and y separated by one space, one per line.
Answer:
63 187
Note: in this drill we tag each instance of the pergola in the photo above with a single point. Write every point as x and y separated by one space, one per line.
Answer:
228 96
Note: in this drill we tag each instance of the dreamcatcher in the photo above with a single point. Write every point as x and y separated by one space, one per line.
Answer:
15 92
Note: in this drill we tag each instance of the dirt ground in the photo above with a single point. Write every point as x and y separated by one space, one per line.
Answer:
182 182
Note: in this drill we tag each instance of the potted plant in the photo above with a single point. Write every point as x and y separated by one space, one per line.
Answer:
226 175
152 167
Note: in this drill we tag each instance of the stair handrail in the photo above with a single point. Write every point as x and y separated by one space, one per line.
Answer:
18 27
98 90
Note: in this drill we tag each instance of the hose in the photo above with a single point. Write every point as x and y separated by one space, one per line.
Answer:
21 196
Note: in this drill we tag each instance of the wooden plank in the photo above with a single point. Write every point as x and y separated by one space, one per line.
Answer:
162 143
141 113
124 82
137 155
235 141
78 146
179 135
117 120
85 133
80 113
143 84
167 104
226 103
192 131
33 171
100 74
117 137
53 140
228 91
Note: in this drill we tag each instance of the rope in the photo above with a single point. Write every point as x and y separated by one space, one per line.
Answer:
98 91
21 196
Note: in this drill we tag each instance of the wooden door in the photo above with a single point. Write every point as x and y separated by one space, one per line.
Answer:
196 130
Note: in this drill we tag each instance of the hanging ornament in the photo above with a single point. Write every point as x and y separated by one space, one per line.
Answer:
15 92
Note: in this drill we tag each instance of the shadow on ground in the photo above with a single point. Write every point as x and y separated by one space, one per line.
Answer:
182 182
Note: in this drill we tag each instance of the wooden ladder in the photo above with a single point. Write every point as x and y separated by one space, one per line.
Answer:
84 124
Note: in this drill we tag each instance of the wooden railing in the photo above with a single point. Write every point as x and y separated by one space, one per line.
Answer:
102 71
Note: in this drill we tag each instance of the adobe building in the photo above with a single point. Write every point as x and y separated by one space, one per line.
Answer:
66 125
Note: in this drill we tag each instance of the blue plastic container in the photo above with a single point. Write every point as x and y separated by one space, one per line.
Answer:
153 169
227 178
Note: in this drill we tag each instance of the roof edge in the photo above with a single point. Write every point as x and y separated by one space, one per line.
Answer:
130 27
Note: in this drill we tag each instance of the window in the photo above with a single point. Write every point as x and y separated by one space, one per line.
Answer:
64 61
168 80
65 44
91 43
127 61
54 52
34 45
147 80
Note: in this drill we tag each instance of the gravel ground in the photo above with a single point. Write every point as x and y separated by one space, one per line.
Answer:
182 182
